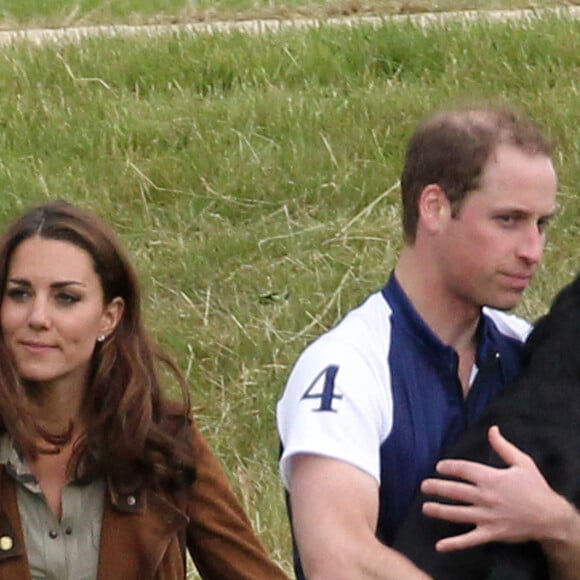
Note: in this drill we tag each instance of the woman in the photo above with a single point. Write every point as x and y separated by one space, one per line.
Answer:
100 475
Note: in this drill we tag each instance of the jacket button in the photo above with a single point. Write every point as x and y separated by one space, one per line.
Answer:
53 534
6 543
131 500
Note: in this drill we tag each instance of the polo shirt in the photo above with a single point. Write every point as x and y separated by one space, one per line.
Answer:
381 391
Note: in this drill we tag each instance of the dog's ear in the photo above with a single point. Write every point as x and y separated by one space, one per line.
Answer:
552 347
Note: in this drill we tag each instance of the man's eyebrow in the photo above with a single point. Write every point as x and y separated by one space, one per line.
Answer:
523 212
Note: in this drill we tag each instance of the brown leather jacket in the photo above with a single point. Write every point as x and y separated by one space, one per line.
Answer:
144 534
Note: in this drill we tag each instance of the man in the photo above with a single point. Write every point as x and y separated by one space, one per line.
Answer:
370 406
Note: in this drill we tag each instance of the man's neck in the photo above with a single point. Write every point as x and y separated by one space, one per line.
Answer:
453 320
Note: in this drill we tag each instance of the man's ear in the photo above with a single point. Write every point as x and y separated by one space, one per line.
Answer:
112 314
434 208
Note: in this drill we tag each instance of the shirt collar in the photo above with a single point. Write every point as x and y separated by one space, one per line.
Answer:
440 353
412 323
16 465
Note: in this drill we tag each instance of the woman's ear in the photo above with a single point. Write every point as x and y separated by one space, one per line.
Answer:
112 314
434 208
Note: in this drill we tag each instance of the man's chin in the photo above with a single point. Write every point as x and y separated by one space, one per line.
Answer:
506 302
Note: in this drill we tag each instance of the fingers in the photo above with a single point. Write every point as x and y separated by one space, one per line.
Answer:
449 512
477 472
468 540
460 515
452 490
501 503
506 504
511 454
464 469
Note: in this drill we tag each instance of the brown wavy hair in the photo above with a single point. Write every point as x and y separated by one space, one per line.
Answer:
134 434
451 149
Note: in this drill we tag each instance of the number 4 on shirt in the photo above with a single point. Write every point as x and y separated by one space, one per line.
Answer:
322 387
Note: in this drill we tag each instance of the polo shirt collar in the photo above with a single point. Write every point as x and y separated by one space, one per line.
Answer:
439 353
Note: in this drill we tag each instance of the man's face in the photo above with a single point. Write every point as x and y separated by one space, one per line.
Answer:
492 247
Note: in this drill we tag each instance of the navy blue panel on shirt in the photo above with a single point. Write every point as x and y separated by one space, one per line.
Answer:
430 412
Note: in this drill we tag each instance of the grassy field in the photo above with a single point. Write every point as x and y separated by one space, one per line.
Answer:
254 179
17 13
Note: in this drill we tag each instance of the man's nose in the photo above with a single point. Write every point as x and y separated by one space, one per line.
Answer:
532 244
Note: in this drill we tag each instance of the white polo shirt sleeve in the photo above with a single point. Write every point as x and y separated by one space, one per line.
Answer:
337 404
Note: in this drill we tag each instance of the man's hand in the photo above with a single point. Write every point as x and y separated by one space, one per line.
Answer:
511 504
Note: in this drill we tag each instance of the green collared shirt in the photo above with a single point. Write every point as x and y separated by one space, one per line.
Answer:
57 550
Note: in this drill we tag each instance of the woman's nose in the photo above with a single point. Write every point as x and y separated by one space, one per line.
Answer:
38 317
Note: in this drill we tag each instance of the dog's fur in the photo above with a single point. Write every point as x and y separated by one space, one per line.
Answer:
540 414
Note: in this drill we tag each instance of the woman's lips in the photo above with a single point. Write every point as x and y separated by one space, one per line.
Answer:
37 347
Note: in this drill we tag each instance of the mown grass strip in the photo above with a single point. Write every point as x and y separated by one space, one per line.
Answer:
57 13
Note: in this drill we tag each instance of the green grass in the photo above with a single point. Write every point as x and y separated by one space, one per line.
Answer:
30 13
254 179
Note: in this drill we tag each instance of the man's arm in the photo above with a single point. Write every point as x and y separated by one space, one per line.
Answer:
513 504
334 513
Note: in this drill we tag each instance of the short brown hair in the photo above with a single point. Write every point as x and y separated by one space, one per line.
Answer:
451 148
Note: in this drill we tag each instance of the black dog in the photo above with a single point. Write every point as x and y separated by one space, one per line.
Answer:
540 414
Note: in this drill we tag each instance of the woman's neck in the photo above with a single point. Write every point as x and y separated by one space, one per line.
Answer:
57 408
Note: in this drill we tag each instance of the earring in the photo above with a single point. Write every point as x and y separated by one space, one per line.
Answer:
101 338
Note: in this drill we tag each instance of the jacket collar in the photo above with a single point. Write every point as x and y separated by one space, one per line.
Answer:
138 527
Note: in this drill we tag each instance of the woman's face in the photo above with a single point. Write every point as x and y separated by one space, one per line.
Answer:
53 312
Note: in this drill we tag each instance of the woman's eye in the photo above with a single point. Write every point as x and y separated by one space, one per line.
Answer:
67 298
17 293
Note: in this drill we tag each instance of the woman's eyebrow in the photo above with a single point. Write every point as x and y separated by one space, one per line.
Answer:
59 284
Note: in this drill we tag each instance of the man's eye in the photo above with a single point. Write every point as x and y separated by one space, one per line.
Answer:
543 224
506 220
